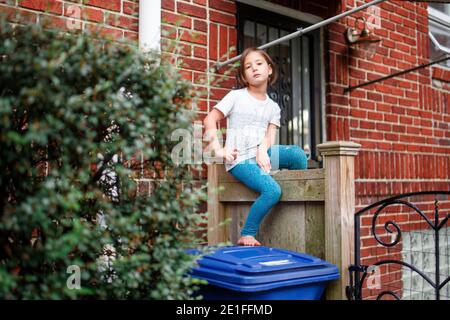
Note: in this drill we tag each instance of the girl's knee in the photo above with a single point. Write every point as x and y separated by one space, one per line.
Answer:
274 193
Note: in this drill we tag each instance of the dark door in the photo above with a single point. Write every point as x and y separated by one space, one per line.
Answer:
298 89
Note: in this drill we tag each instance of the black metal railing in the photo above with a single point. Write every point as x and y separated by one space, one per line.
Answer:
435 221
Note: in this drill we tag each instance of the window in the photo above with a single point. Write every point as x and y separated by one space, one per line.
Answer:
298 88
419 250
439 23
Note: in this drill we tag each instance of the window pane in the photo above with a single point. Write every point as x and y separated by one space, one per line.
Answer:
261 34
296 92
273 35
306 90
285 55
249 34
285 85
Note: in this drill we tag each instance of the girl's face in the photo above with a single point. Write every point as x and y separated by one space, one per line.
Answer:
256 69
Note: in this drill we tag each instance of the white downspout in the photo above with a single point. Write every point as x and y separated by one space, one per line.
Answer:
150 25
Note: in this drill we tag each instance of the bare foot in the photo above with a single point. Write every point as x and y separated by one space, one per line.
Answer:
248 241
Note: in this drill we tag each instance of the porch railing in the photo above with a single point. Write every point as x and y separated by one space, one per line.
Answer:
402 248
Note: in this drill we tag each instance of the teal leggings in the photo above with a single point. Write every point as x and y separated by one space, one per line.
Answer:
253 176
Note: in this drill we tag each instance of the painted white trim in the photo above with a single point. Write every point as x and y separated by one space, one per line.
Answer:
150 25
276 8
439 17
438 45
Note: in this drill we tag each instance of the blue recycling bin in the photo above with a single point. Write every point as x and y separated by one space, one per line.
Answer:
262 273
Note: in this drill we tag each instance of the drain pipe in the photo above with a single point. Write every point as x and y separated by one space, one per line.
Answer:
150 25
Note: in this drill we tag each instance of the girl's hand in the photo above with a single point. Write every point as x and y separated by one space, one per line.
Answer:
263 160
224 153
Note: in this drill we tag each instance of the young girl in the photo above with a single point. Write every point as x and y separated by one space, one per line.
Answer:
249 153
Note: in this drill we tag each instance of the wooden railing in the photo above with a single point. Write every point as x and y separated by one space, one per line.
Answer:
314 215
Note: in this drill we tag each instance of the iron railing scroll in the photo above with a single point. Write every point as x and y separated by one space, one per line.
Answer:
359 273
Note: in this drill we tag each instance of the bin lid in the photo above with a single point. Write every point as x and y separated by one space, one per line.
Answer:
240 265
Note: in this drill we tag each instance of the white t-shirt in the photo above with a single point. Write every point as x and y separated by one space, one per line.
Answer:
247 121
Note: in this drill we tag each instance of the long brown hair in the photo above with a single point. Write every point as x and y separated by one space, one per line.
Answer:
241 72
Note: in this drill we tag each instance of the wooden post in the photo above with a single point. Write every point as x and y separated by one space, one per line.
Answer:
338 159
216 209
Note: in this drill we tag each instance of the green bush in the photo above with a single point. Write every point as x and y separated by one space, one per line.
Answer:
80 120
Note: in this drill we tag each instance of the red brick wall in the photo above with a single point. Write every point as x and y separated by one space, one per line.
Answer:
116 18
402 123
